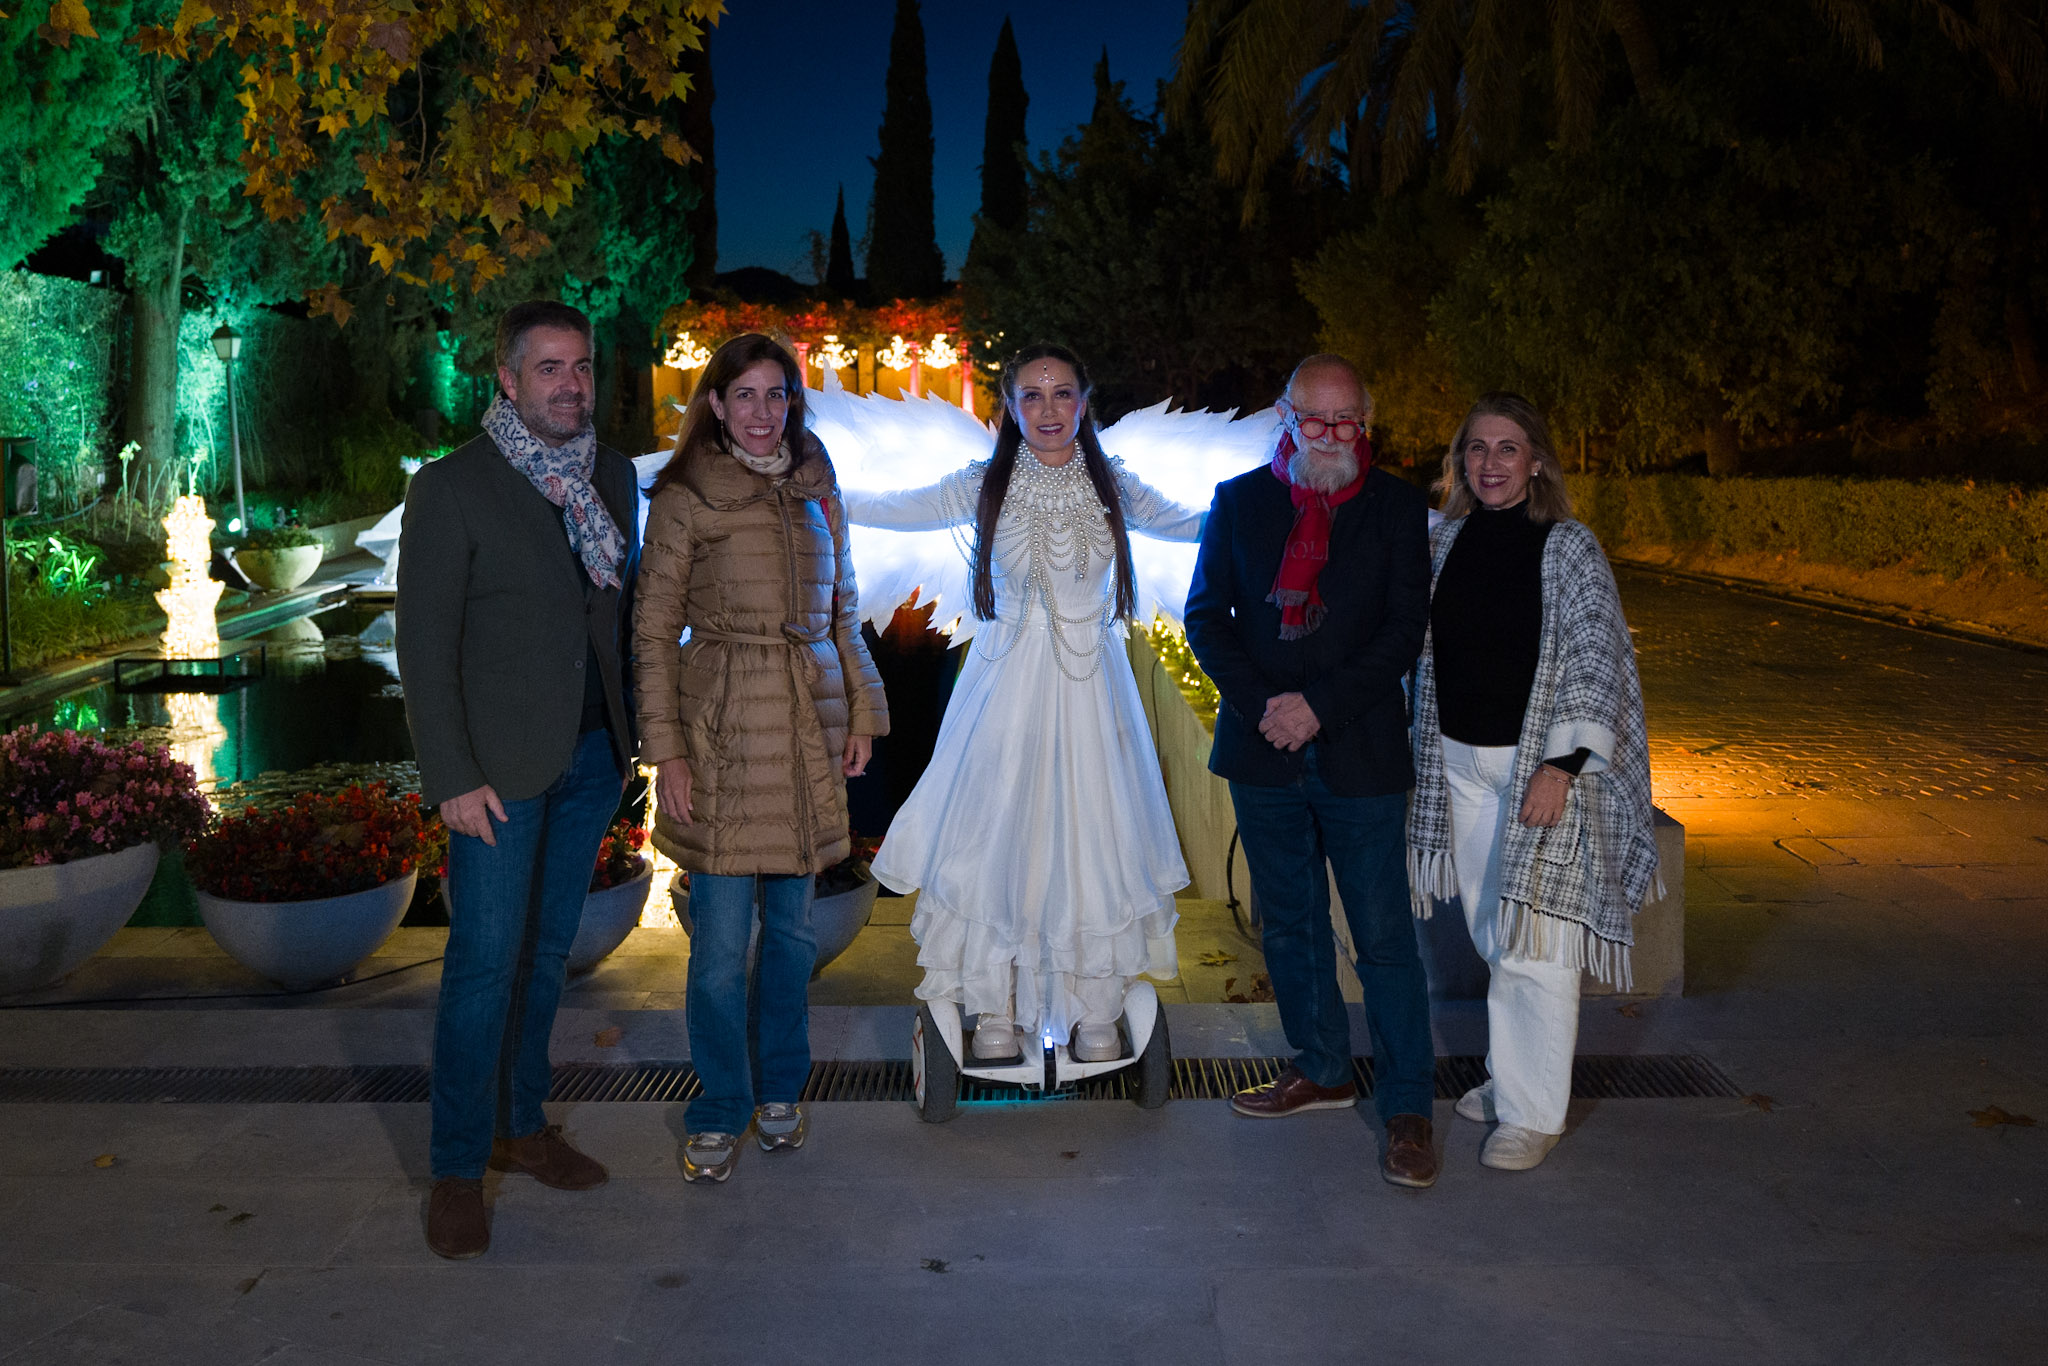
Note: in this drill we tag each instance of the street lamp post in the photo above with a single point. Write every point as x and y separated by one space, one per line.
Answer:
227 344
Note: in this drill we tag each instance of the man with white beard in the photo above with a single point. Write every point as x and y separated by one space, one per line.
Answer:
1310 599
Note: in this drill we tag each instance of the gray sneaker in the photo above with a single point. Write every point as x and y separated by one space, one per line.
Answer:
780 1126
709 1156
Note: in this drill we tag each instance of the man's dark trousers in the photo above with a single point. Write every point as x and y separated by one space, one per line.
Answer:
1287 832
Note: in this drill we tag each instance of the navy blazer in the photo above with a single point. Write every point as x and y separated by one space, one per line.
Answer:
1376 587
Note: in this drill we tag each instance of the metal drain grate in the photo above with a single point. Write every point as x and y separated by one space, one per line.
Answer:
1652 1077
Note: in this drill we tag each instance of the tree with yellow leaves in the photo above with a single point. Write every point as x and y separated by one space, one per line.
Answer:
439 137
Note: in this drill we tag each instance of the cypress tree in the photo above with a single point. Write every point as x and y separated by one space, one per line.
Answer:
903 245
839 265
1003 187
696 129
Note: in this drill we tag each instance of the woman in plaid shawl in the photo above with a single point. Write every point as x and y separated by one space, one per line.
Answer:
1532 791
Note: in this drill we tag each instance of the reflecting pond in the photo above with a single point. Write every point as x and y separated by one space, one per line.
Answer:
330 695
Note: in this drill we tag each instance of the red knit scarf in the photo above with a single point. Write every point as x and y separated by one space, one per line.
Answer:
1308 544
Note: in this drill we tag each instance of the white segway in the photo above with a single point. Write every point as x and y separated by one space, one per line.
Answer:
941 1053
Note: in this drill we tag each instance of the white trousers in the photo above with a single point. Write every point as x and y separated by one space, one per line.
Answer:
1532 1006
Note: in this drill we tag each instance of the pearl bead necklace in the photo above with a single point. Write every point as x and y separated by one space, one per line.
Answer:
1065 528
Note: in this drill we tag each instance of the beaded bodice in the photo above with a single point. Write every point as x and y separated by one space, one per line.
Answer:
1054 558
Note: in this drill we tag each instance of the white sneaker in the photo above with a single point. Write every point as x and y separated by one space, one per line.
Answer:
1097 1043
995 1041
1477 1104
1511 1148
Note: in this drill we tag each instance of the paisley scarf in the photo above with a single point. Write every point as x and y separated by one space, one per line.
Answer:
562 474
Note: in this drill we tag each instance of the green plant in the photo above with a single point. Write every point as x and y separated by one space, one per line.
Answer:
1862 523
50 626
368 451
60 564
279 538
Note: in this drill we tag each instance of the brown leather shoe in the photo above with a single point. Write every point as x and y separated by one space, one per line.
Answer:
1411 1157
1291 1093
457 1227
548 1159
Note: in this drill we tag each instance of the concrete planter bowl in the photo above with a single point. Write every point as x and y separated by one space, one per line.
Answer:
835 919
279 571
608 917
55 916
300 944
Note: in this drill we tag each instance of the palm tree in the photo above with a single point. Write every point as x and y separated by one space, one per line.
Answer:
1376 85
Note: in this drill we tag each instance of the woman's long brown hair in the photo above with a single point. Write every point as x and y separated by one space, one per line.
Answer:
995 486
701 425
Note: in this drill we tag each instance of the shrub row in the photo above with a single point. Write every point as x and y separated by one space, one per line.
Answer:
1861 523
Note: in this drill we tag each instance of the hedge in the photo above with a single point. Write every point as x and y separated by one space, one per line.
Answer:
1861 523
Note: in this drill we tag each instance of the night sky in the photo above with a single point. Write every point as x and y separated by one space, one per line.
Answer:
799 101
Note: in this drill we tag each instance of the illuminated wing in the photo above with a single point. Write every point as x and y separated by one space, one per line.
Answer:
881 445
1183 455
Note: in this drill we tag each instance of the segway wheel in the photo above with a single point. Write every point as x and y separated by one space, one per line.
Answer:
1154 1068
936 1074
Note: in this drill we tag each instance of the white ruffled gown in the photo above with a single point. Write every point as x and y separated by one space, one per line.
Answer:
1039 838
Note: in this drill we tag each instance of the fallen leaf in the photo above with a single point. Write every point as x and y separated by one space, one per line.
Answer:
1759 1100
244 1217
1991 1116
103 1160
1216 958
1229 982
218 1209
934 1264
1261 988
246 1286
1633 1010
609 1037
1071 1154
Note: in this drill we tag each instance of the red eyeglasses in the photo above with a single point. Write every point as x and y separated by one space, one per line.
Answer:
1313 428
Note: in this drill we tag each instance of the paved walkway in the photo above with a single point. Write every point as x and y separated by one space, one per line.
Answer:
1867 951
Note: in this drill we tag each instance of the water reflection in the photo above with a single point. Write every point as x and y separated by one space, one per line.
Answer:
331 696
196 733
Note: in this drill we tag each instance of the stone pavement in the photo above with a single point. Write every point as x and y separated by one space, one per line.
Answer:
1865 960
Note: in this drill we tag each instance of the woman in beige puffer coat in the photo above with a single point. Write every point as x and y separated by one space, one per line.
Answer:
753 725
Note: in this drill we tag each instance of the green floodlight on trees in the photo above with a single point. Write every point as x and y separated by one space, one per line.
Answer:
17 499
227 344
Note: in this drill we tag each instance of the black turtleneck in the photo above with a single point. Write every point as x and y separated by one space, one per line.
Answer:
1486 625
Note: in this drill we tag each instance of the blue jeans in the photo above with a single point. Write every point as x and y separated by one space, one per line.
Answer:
513 909
1287 832
750 1032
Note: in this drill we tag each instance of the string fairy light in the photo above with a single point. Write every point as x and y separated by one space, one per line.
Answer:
1170 643
188 603
898 354
686 354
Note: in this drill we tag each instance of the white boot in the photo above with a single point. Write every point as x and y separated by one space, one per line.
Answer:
995 1039
1097 1043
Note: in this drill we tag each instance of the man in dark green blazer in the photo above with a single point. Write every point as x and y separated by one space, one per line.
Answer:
515 572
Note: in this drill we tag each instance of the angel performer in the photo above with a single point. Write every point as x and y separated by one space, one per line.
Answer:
1039 838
